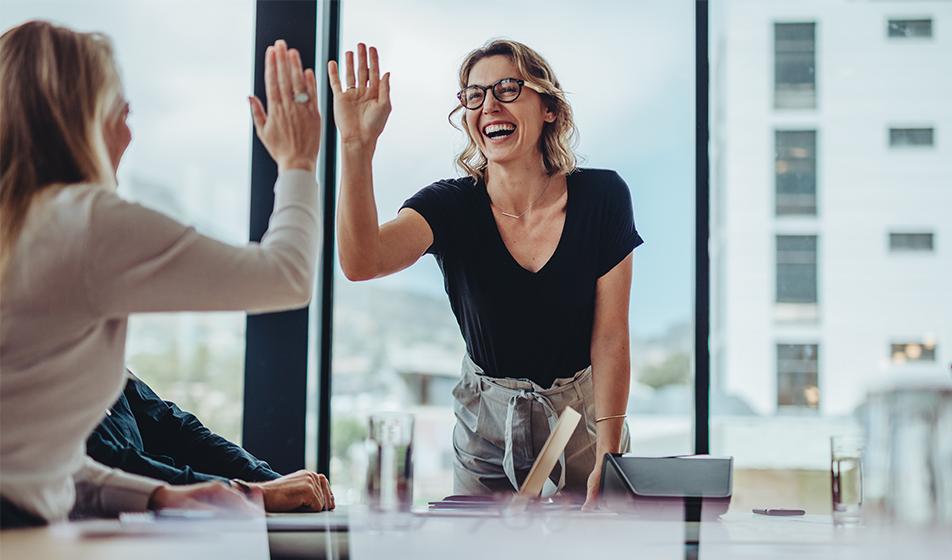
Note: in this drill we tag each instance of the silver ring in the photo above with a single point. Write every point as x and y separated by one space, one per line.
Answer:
301 98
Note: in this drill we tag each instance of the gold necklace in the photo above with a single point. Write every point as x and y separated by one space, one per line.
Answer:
534 202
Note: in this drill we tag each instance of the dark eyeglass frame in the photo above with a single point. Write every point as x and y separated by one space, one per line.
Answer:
461 94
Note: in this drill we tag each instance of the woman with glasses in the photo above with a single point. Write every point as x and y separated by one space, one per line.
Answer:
536 255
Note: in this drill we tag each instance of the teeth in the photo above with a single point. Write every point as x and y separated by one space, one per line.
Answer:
501 127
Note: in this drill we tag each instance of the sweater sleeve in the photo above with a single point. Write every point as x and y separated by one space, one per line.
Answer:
104 491
140 260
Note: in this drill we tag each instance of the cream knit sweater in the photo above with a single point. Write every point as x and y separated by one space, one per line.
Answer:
84 261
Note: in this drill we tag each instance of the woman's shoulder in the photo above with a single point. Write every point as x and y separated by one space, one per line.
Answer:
602 184
460 186
67 205
457 190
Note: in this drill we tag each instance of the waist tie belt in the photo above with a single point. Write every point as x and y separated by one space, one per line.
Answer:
550 415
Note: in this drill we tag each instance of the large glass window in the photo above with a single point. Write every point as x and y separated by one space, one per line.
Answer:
787 374
187 69
629 73
795 65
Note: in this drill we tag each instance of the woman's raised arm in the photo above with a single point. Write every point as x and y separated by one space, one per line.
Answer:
368 250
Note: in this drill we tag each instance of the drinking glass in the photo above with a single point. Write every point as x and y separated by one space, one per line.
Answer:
846 477
390 465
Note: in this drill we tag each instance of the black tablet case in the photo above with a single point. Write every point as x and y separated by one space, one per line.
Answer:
688 487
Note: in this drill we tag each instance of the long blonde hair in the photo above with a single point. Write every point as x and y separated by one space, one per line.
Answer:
558 137
57 88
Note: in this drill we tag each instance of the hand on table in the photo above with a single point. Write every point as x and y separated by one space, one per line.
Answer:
216 496
301 489
594 481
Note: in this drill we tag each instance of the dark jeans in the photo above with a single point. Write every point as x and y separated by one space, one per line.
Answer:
13 516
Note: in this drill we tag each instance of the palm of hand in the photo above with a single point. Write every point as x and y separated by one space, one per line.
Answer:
360 110
361 113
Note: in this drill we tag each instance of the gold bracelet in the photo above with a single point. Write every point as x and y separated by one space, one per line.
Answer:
597 420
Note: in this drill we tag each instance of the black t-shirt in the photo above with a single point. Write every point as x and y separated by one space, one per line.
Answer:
517 323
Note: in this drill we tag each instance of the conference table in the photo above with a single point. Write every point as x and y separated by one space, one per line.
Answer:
362 534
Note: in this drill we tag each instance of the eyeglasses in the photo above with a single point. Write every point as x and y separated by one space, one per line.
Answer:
505 90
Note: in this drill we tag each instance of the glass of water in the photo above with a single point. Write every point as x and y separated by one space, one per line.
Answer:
390 465
846 477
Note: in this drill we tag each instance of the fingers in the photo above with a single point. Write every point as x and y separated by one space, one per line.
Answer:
283 70
334 77
385 87
310 86
271 77
374 69
315 498
349 70
328 495
296 70
258 116
362 71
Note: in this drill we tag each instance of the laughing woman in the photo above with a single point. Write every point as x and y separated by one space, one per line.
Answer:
536 255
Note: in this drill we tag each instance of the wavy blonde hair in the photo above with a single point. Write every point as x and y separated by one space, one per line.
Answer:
558 138
57 89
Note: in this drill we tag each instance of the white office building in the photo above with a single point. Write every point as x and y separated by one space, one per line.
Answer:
831 214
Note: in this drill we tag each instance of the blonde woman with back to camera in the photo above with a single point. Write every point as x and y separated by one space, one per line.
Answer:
536 255
77 260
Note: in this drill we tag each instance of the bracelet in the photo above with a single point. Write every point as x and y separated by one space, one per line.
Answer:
597 420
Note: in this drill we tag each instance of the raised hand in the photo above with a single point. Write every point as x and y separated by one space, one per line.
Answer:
361 110
290 129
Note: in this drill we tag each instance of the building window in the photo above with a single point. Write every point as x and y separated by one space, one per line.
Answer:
909 28
903 352
903 137
918 242
797 377
796 269
794 65
795 154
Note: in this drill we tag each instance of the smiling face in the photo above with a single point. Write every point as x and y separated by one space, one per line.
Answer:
506 132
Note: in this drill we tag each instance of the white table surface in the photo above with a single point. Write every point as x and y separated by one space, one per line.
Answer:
550 535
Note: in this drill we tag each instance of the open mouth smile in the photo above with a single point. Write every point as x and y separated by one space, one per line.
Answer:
498 130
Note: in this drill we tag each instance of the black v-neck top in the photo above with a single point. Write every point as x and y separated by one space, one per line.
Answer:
517 323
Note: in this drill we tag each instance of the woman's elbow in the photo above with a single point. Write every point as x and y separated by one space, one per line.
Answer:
356 271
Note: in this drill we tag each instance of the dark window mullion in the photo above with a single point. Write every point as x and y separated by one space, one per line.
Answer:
275 393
